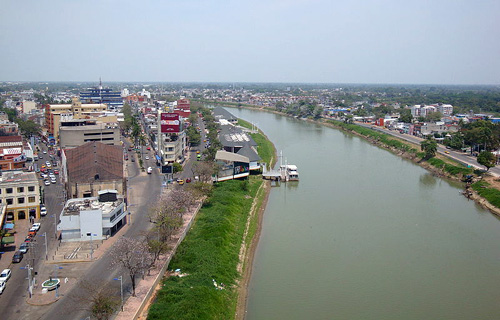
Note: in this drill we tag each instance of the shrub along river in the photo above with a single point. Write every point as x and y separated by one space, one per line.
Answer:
367 235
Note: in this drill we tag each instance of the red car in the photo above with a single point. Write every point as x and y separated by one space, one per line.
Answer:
56 171
149 148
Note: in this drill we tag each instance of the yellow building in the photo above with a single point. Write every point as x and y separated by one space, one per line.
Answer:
20 193
55 113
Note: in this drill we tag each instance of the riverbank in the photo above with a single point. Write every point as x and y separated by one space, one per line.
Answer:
267 151
488 196
216 256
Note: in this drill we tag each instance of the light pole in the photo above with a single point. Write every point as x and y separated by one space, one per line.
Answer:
121 288
91 244
57 287
45 236
29 278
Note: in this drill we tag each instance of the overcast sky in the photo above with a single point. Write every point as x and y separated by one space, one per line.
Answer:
315 41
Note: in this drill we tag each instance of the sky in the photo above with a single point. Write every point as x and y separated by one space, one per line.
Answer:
310 41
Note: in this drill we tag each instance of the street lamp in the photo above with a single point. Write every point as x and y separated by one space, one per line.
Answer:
29 278
45 236
55 277
121 288
91 244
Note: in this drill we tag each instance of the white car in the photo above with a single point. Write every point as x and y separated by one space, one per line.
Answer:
53 180
5 275
43 211
37 226
44 151
2 287
147 157
150 170
47 182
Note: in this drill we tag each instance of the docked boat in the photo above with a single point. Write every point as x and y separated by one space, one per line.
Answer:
290 172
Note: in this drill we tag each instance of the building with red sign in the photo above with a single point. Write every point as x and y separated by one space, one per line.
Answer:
171 138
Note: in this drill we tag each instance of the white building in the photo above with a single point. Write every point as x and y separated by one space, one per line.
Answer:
94 218
445 109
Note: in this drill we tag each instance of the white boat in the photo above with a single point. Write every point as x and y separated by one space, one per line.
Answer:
290 171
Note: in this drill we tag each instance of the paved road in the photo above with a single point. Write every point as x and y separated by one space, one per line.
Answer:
464 158
12 301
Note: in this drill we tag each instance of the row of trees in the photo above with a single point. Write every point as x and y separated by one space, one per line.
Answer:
301 109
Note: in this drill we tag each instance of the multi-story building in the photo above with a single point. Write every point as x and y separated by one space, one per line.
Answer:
171 138
20 192
55 113
12 154
101 95
82 131
93 218
445 109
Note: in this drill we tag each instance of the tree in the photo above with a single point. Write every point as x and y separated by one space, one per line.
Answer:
405 116
204 170
134 256
487 159
101 300
433 117
156 246
177 167
429 146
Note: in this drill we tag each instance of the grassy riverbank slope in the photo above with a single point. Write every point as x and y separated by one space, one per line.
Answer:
210 252
226 226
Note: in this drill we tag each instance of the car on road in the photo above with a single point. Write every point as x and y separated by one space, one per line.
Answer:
5 275
197 151
23 247
147 157
447 152
133 159
2 287
53 180
18 256
148 148
44 151
37 226
47 182
43 210
188 180
180 181
150 170
56 171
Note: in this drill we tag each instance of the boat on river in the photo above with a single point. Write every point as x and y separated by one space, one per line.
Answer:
290 172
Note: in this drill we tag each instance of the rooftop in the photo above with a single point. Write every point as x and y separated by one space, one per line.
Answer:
74 206
17 176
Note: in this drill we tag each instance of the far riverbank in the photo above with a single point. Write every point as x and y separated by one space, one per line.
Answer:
486 194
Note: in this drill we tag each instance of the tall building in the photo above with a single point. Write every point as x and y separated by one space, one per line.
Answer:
171 138
20 192
99 95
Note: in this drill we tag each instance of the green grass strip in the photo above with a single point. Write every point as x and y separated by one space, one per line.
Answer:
490 194
451 169
209 251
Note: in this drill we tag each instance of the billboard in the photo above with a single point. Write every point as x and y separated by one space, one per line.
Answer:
170 123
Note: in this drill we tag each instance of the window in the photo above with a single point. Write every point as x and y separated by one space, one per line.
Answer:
31 199
20 189
8 190
10 201
20 200
31 188
0 191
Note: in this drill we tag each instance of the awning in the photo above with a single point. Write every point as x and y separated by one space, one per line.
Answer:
8 240
8 226
157 157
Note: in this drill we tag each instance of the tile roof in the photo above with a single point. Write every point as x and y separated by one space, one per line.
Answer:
94 158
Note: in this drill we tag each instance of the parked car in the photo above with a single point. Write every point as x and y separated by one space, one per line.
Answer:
180 181
18 256
37 226
5 275
56 171
53 180
2 287
32 232
146 157
150 170
188 180
47 182
23 248
43 210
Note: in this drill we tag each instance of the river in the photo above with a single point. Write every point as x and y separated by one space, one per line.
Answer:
367 235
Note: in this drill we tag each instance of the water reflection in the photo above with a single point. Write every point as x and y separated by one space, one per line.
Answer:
428 180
